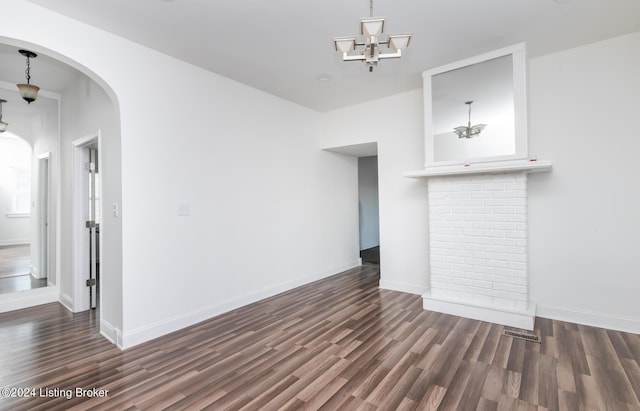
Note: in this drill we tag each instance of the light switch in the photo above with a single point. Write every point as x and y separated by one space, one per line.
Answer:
184 210
115 210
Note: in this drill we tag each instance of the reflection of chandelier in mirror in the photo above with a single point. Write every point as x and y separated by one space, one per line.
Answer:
3 125
29 92
469 131
369 50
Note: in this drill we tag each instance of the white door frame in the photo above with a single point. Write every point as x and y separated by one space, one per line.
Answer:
80 235
44 216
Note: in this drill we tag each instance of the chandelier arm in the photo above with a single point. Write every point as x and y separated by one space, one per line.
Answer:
357 57
395 55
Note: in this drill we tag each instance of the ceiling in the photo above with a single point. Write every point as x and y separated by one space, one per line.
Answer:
282 46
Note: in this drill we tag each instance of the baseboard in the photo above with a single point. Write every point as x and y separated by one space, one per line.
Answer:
28 298
498 315
110 332
402 287
593 319
140 335
66 301
4 243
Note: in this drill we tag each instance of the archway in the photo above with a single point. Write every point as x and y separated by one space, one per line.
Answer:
89 107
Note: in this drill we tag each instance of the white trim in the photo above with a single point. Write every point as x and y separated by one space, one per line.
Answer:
160 328
494 314
28 298
108 331
18 241
402 287
519 58
66 301
529 166
17 215
44 215
590 318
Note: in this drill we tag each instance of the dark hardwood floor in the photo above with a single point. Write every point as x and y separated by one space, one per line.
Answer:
336 344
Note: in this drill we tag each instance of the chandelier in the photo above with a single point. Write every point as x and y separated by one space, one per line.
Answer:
369 49
3 125
29 92
469 131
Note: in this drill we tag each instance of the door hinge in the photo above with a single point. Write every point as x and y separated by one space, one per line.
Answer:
91 282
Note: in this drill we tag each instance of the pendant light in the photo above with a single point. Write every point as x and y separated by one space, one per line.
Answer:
469 131
372 49
28 91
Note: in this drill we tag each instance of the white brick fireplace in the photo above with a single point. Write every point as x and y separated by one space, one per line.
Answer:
478 241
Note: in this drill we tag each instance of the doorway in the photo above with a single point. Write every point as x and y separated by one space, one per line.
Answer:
368 203
87 216
368 207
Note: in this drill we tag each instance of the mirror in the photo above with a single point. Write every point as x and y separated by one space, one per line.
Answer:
475 109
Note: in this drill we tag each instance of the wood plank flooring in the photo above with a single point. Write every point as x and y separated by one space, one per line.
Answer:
15 262
337 344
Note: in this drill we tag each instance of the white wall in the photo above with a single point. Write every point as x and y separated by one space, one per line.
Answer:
368 202
86 110
584 216
403 201
269 209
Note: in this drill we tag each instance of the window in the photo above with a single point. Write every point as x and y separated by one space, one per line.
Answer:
15 176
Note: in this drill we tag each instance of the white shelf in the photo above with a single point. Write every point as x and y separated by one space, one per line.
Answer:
497 167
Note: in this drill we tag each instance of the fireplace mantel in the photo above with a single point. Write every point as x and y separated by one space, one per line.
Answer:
494 167
478 240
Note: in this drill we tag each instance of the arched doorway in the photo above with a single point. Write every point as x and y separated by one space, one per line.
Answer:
81 104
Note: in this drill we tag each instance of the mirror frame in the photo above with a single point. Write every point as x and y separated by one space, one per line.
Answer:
519 60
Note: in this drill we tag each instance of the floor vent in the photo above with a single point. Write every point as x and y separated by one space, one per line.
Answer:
522 336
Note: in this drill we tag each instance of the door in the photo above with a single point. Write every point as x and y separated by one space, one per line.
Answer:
93 225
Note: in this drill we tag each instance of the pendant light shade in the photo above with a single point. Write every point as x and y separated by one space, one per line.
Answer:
28 91
372 26
399 41
345 44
